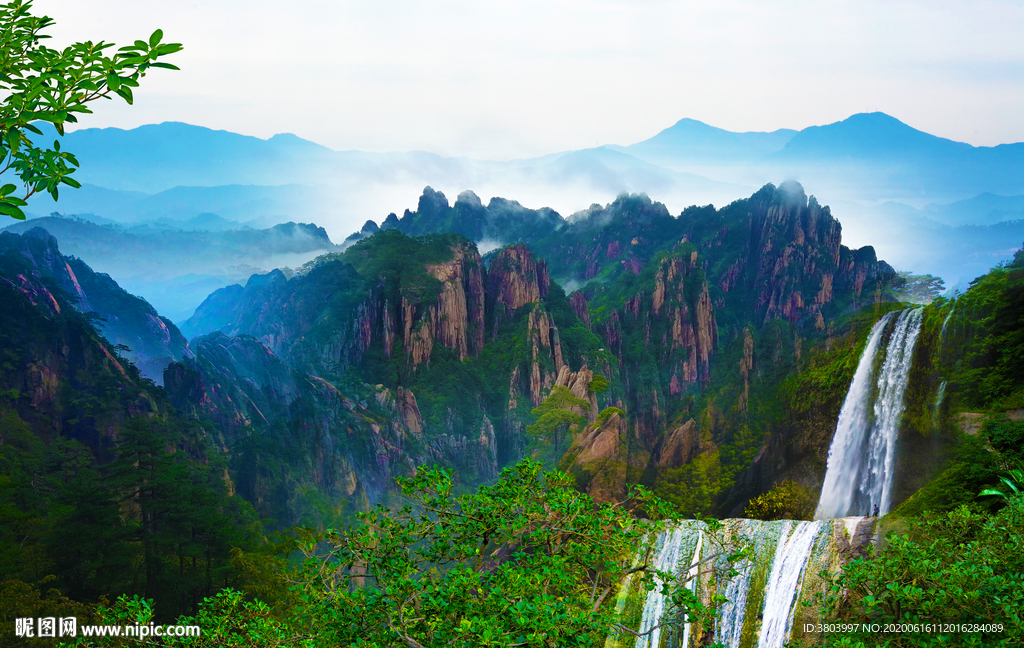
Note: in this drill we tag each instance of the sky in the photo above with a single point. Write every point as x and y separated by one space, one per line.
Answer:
505 80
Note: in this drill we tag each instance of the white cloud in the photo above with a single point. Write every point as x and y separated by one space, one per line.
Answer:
518 79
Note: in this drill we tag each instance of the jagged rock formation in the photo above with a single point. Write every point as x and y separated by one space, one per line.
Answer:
689 318
342 445
596 457
325 320
501 220
153 341
515 278
57 374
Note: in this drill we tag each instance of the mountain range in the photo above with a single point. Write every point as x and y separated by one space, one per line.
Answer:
173 172
174 266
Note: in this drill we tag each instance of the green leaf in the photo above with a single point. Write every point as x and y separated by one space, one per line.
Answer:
71 182
126 93
113 81
155 38
11 211
169 48
6 189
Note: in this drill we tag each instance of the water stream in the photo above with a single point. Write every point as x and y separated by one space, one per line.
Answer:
859 474
786 557
764 597
781 592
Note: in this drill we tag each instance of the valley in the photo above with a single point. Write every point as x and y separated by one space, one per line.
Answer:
736 363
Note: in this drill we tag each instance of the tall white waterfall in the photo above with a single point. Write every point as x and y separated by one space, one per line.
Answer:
783 583
691 582
859 474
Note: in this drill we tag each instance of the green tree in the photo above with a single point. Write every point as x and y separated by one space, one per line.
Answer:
787 501
40 84
693 489
598 384
961 567
528 561
185 535
919 289
555 417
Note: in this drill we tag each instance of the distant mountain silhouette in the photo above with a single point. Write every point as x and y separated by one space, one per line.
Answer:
623 172
693 142
156 157
869 136
903 158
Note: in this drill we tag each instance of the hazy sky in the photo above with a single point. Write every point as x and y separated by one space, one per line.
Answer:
501 79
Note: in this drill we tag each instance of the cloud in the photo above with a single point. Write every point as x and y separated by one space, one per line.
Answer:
521 79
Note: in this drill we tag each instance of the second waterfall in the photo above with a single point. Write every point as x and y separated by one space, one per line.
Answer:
861 460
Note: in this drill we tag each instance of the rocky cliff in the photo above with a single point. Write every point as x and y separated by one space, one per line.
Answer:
152 341
57 374
407 295
346 446
690 319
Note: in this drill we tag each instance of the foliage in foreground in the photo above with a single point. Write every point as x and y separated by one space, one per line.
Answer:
962 567
40 84
527 561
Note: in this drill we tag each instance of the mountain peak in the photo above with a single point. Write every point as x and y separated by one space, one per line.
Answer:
867 136
693 141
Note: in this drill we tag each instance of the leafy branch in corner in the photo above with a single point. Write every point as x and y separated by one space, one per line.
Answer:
41 84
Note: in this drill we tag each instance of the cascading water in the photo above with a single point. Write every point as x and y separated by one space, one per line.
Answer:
691 582
654 606
781 593
859 474
945 322
733 612
785 566
939 397
782 569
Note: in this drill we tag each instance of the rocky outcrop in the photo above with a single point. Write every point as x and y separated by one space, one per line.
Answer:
456 319
792 264
595 458
151 342
578 383
325 320
500 220
578 301
515 278
746 366
59 376
679 446
692 321
546 354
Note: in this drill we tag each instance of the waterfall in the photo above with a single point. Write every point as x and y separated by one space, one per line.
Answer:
729 630
781 593
938 403
691 582
859 472
782 569
654 606
945 323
